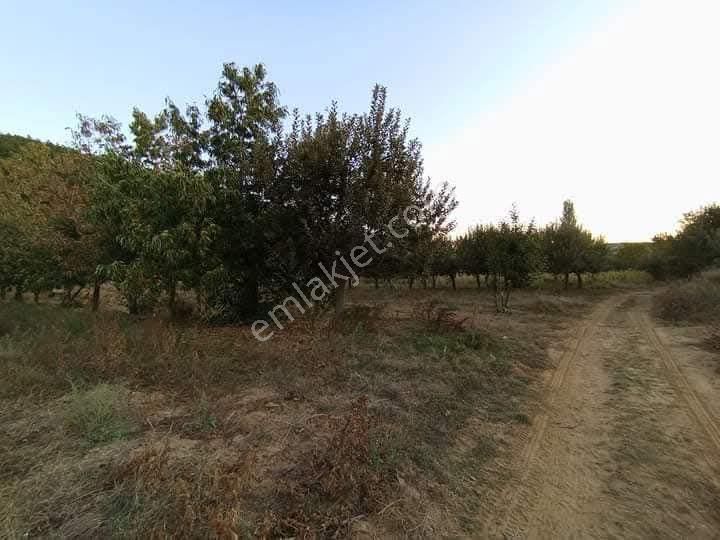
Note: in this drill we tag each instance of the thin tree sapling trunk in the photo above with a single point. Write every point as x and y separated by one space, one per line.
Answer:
251 295
172 298
506 298
340 296
95 295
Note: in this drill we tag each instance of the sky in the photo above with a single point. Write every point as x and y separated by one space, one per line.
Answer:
613 104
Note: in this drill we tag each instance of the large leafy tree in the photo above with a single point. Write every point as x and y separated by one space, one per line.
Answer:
346 177
186 202
319 187
177 240
243 141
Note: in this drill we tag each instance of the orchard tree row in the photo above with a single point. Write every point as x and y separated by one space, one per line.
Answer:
507 255
234 200
510 253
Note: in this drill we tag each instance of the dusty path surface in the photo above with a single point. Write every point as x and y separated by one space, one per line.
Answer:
627 444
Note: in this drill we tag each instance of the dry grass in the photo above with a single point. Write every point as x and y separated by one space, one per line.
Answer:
711 342
696 301
121 427
100 414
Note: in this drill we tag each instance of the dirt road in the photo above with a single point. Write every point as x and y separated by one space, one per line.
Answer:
628 442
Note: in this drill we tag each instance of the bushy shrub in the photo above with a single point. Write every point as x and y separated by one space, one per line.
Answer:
695 301
438 316
712 340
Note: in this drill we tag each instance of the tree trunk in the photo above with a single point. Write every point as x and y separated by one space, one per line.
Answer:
487 280
477 280
133 305
579 278
172 297
200 300
36 296
18 294
251 295
567 280
95 295
377 283
452 278
434 281
3 293
74 295
411 282
340 297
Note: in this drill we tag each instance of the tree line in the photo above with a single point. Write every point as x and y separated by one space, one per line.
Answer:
237 199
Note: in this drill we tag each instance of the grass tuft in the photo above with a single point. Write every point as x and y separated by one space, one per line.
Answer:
100 414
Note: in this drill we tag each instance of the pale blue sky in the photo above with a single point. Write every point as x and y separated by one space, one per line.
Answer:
458 69
440 60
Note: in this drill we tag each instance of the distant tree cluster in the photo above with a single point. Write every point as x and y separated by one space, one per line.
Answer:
43 224
510 253
693 249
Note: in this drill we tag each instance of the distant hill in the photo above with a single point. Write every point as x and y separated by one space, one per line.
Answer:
11 144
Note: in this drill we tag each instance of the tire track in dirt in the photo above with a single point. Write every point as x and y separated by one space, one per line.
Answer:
511 497
559 376
698 410
612 453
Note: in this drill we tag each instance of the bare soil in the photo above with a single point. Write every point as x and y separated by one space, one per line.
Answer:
627 443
